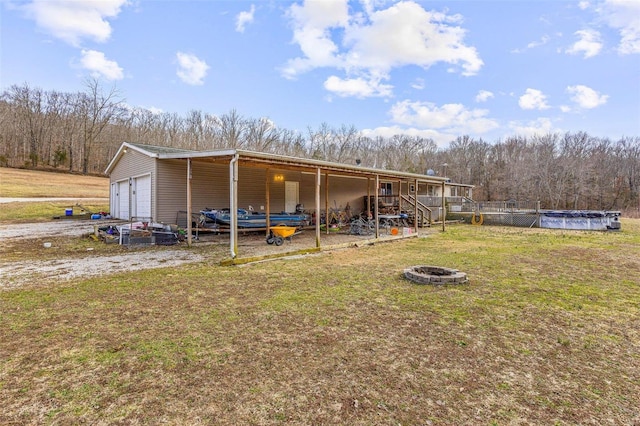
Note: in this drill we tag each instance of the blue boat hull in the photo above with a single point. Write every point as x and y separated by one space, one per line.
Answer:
247 219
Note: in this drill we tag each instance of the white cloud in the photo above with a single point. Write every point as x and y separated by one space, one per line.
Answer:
357 87
584 5
73 21
544 40
453 118
376 41
191 69
100 66
533 99
244 18
624 16
586 97
484 95
312 22
418 84
589 43
406 34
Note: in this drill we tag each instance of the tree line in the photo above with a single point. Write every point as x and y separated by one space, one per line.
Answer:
81 132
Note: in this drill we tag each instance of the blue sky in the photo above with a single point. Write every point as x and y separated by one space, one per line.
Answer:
437 69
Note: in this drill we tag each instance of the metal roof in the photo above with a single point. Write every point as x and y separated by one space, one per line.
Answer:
261 159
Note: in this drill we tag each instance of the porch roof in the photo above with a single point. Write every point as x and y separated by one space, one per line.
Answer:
266 160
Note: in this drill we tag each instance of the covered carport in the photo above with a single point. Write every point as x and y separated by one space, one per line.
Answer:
320 173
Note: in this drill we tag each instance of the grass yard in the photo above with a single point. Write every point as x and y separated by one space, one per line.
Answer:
19 183
35 183
43 211
546 332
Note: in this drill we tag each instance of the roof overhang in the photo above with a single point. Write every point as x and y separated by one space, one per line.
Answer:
266 160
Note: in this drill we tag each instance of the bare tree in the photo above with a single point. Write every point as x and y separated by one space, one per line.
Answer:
262 135
96 110
30 114
232 130
83 130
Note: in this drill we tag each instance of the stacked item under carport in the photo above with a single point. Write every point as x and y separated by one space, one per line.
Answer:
142 232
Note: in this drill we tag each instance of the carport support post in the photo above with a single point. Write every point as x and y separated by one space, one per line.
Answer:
318 207
368 198
377 205
415 206
326 201
268 200
233 201
444 209
189 176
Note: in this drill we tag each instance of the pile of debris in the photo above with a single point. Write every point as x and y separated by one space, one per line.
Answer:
140 233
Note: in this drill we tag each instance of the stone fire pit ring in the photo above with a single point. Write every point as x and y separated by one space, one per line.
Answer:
435 275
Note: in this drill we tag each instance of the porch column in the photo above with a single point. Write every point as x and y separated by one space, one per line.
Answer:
444 209
189 227
318 207
368 206
415 206
326 202
268 200
377 206
233 206
400 195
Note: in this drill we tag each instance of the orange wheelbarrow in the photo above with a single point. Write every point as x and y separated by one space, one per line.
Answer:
277 234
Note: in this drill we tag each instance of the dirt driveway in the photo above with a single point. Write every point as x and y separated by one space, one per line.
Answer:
24 261
43 265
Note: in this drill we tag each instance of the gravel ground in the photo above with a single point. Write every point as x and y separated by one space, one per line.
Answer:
68 266
68 228
16 274
19 273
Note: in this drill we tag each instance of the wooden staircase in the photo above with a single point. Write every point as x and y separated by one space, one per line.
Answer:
423 214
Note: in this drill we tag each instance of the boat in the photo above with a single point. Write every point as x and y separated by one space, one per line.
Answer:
251 219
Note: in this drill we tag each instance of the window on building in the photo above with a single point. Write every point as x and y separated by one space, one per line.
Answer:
386 188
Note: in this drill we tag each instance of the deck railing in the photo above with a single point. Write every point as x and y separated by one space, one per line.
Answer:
507 206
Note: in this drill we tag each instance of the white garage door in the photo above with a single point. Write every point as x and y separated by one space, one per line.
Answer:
123 200
141 196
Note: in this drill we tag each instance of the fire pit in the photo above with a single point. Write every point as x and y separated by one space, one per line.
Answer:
435 275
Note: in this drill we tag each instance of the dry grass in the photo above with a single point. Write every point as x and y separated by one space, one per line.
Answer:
34 183
545 333
90 192
21 212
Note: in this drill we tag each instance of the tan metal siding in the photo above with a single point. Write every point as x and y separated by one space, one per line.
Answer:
252 188
342 190
171 190
210 186
134 164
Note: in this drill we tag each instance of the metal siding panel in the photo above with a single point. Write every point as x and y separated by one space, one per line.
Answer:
171 190
252 188
308 191
132 164
343 190
210 186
